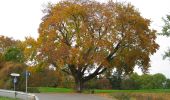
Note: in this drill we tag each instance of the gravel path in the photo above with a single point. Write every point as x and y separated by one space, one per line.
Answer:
72 96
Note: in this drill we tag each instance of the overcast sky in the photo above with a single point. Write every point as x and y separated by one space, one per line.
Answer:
21 18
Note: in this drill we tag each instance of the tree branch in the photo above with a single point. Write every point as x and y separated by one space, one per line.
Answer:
94 74
66 71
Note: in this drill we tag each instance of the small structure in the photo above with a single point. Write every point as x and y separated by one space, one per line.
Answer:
15 75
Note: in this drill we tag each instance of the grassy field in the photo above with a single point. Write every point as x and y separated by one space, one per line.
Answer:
66 90
139 96
5 98
54 90
152 94
134 91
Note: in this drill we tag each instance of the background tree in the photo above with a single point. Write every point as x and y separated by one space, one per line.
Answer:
6 42
84 38
115 78
29 48
167 85
6 81
148 81
14 54
131 82
166 32
159 81
11 60
44 77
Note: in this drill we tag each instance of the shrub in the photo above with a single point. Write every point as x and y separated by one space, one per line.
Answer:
43 78
6 81
33 90
101 83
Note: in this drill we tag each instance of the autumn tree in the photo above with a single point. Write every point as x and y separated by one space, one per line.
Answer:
5 44
85 38
29 48
11 60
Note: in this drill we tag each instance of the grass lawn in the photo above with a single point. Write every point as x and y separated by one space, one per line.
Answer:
139 96
54 90
134 91
6 98
151 94
67 90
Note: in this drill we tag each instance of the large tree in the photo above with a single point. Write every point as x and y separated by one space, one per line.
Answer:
85 38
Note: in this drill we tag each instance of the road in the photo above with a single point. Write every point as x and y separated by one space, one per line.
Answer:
54 96
71 96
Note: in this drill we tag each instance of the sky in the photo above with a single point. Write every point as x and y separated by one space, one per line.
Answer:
21 18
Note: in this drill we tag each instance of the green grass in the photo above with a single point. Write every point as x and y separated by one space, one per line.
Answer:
67 90
139 96
152 94
6 98
134 91
54 90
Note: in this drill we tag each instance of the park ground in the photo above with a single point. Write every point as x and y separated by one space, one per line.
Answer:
6 98
152 94
47 93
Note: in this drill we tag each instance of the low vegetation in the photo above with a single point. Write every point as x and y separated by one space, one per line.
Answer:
140 96
6 98
57 90
150 94
68 90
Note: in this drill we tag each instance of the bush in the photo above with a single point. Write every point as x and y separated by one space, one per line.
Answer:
67 84
33 90
6 81
122 96
101 83
43 78
129 84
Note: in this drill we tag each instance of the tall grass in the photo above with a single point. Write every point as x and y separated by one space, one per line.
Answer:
141 96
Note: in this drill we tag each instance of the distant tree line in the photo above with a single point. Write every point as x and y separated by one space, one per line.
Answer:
131 82
145 81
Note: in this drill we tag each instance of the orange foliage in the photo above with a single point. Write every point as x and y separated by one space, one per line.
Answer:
82 36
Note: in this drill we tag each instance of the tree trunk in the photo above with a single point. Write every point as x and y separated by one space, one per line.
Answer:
79 85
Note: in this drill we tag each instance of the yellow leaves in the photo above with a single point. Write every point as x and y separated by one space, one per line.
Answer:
104 44
75 57
88 33
29 48
6 42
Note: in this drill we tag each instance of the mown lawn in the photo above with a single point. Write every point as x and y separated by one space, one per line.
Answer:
54 90
134 91
139 96
67 90
150 94
6 98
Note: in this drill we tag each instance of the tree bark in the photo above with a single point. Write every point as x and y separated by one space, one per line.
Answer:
79 85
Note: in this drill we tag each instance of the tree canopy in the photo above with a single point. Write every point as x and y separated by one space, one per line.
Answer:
85 38
166 32
14 54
